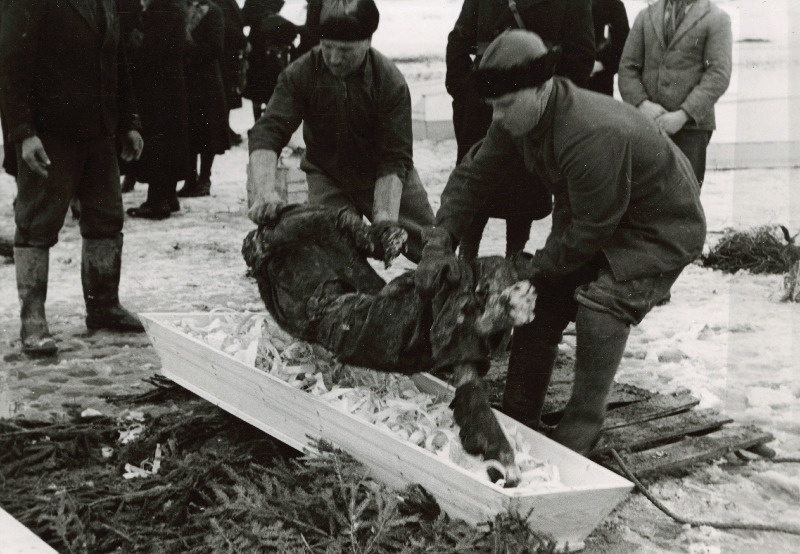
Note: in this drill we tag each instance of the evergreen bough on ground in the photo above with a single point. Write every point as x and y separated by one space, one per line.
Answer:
223 486
758 250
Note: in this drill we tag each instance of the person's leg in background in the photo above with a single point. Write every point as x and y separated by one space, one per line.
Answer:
189 188
101 229
39 211
470 242
204 179
694 144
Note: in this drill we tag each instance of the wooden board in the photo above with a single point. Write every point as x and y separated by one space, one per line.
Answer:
655 431
298 418
657 406
693 450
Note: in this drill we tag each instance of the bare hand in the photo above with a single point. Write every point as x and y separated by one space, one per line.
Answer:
34 155
651 109
132 145
672 122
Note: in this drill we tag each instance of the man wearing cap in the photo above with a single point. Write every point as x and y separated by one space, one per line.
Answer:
356 110
626 220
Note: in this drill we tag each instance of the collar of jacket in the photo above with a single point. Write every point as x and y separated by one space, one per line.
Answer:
699 10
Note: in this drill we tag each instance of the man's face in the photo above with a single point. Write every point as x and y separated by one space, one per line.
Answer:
344 57
519 112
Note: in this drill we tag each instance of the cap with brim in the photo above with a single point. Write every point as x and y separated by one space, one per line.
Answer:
514 61
348 20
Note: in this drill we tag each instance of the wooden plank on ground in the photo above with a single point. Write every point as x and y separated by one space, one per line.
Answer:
649 433
559 392
659 405
693 450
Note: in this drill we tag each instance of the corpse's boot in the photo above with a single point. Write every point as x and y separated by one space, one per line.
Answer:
529 369
33 266
601 340
100 271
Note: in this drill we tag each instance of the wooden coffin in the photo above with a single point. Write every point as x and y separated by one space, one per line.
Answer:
296 418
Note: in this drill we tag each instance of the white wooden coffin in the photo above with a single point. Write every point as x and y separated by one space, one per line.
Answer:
296 418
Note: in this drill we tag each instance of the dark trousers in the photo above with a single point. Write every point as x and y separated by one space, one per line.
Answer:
471 120
87 170
415 210
602 82
694 143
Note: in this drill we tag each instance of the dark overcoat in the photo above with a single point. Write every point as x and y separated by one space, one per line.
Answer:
611 29
619 187
61 73
232 52
208 111
157 73
262 69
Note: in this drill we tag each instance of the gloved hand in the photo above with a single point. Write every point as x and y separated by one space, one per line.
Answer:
391 238
264 212
438 264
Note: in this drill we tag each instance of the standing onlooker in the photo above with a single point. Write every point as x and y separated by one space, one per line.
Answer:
567 23
263 65
232 62
67 95
611 29
208 113
675 66
158 79
9 155
130 30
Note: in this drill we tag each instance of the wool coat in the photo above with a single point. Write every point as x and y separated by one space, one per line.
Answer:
62 72
263 66
231 63
158 79
208 111
356 129
689 73
611 30
619 187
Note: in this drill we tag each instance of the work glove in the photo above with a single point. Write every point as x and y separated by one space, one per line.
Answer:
391 240
439 264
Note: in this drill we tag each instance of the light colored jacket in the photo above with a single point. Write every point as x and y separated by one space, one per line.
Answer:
690 73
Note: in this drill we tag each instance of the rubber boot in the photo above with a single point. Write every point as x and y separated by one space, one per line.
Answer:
33 266
100 271
529 369
601 340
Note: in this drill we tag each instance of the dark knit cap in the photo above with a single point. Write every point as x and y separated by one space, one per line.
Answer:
514 61
348 19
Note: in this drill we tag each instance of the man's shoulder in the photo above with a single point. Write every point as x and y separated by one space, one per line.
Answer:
384 67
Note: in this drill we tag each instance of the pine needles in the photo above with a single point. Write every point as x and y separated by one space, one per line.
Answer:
759 250
223 487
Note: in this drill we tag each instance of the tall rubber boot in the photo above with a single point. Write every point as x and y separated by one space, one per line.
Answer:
601 340
529 369
33 265
100 271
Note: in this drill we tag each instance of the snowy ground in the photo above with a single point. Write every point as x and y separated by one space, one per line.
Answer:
736 337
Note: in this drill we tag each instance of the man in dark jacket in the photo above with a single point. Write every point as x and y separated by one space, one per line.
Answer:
611 29
626 220
567 23
356 110
67 96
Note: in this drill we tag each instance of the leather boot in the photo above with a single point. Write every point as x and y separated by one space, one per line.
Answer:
33 266
100 271
529 369
601 340
189 188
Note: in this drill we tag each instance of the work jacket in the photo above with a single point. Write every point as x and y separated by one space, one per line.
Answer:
356 129
619 187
